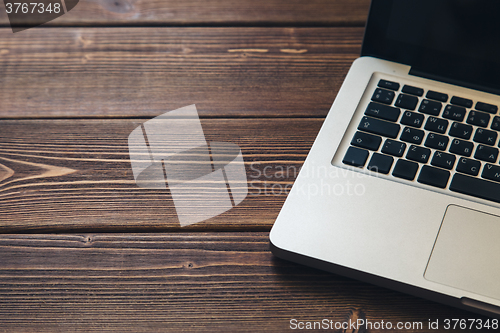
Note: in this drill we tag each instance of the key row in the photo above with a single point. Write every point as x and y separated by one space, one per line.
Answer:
441 165
433 141
451 112
432 108
437 96
411 133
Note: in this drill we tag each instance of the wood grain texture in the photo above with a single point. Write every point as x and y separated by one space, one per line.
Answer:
220 282
265 89
211 12
60 175
226 72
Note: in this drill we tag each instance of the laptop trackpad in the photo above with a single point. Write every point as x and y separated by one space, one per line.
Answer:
466 254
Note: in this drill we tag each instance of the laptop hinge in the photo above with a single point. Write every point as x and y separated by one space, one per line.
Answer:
416 72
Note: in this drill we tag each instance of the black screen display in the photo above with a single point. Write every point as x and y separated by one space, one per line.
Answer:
457 41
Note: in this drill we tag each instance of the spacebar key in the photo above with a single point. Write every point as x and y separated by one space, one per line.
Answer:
476 187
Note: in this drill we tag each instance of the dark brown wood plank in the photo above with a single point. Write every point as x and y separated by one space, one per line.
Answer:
78 72
217 282
59 175
171 12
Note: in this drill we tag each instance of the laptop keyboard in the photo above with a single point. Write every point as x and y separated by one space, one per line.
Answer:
447 142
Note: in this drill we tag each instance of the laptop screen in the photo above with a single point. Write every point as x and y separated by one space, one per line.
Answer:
457 41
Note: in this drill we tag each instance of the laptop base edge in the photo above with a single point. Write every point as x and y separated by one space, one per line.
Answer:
463 303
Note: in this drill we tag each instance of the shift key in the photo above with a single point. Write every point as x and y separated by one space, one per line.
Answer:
379 127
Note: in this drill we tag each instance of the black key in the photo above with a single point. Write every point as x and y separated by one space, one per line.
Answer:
383 96
412 119
355 157
388 84
437 96
443 160
394 148
460 131
436 125
491 172
365 140
433 176
485 153
495 124
379 127
406 102
405 169
436 141
486 107
418 154
454 112
413 90
478 118
476 187
485 136
380 163
461 101
468 166
461 147
412 135
382 111
430 107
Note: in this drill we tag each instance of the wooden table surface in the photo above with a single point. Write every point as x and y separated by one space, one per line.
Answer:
82 248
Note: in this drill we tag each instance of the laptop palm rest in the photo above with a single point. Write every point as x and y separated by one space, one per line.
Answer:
465 255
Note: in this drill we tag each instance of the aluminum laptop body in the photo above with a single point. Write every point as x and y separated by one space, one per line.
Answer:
355 209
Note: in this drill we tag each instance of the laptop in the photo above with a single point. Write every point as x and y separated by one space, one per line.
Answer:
401 187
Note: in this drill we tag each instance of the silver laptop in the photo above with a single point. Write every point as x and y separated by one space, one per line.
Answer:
402 185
